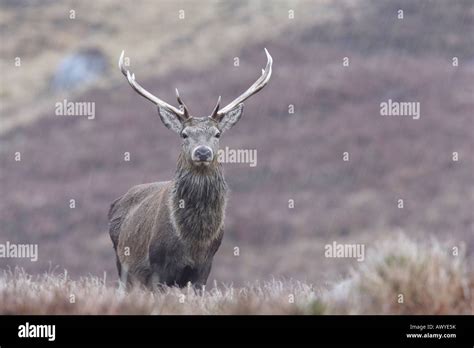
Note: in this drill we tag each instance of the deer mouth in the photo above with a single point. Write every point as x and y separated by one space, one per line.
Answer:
200 163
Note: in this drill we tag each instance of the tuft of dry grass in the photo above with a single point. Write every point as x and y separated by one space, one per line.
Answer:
21 293
400 276
431 279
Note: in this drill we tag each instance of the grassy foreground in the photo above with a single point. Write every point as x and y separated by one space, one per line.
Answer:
399 276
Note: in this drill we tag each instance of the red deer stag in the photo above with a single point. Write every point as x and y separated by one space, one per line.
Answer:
166 233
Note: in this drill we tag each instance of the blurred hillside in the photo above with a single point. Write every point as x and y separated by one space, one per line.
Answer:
299 155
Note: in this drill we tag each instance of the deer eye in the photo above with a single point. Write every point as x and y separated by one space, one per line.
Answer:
184 135
218 135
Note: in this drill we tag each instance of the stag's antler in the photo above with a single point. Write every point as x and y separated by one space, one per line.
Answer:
144 93
182 105
257 86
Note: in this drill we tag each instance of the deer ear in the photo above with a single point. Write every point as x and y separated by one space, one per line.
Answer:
170 119
231 117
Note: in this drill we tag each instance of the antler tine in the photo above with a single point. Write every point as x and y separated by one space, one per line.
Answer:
180 102
257 86
143 92
216 108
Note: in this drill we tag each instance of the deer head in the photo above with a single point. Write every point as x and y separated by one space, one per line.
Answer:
200 135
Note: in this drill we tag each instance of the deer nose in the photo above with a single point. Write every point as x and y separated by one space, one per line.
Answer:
202 153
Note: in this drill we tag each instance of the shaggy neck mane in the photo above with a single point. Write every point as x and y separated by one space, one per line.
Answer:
198 200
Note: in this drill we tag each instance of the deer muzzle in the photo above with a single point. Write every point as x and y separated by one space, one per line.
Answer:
202 155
